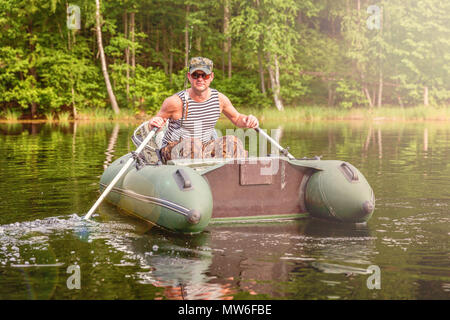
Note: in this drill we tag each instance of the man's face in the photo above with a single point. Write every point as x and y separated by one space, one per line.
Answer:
199 80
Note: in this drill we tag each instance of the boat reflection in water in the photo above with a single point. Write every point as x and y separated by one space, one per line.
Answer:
235 261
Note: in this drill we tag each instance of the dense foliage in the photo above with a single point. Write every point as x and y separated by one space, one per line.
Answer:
344 53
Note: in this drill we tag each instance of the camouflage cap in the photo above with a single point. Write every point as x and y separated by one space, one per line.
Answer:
200 63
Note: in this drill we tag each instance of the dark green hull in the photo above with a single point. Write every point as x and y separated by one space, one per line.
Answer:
186 195
172 197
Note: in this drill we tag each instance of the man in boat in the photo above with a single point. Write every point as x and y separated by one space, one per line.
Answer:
192 116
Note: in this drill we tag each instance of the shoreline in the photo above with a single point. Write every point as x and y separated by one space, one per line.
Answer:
264 120
301 113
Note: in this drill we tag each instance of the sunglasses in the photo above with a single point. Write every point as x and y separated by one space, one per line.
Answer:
196 75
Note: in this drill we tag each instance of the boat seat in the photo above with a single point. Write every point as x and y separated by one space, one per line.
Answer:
200 163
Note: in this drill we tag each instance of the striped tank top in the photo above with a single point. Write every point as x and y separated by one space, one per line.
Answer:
199 123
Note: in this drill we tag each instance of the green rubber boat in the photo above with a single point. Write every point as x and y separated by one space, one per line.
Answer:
187 195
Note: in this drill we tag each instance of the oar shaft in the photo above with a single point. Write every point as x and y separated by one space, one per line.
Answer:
275 143
120 174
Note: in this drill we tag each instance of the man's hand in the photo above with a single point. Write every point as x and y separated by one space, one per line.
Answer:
156 122
251 121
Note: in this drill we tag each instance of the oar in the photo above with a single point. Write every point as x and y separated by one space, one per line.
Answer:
120 174
276 144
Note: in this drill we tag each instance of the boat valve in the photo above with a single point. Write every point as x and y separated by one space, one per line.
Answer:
368 207
193 216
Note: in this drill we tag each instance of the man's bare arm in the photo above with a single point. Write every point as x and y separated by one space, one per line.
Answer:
170 109
238 119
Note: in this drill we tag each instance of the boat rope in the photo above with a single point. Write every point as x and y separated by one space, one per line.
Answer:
160 202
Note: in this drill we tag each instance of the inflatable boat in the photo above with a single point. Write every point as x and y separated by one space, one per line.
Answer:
186 195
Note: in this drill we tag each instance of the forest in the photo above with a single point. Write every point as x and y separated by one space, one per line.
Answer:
77 59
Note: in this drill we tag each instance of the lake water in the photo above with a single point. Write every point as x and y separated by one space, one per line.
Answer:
49 179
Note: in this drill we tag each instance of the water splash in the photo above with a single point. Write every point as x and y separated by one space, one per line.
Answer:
22 241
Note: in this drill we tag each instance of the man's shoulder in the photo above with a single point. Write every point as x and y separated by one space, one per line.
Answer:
222 97
174 101
219 94
176 97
